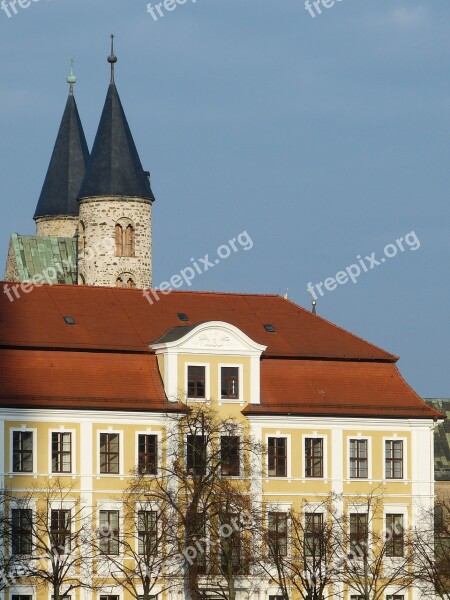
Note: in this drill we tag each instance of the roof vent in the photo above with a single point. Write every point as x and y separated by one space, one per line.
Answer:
183 317
69 320
269 328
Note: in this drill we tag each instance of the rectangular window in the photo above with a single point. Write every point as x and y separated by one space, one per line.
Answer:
277 533
229 382
61 452
196 382
21 531
196 454
109 532
313 457
359 535
60 530
230 545
276 597
394 535
151 597
148 454
357 597
395 597
229 455
108 597
147 533
109 453
313 534
394 459
22 451
277 457
21 597
359 459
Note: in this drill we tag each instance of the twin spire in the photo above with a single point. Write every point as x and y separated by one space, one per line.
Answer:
113 169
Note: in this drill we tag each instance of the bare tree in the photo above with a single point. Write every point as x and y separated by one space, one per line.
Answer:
137 558
431 542
48 533
376 555
202 450
303 550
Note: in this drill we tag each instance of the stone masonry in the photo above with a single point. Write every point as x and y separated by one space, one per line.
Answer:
56 226
97 263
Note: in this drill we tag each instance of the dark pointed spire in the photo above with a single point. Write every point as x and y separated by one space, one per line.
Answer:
67 165
115 168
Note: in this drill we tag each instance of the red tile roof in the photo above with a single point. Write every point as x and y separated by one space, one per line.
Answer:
66 379
104 360
337 388
109 318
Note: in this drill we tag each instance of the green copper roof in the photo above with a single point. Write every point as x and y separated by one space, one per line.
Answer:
53 258
441 440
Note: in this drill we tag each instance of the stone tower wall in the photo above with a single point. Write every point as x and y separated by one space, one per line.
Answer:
56 226
97 263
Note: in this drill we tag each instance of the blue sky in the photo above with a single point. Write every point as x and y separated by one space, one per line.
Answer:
324 138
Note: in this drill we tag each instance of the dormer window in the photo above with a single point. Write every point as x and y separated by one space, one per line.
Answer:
196 381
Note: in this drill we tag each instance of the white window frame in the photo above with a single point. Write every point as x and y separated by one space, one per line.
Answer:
147 506
21 590
240 434
73 450
360 509
394 438
23 429
396 509
121 443
315 435
16 505
279 434
193 363
116 506
110 590
158 434
62 505
240 398
360 438
281 507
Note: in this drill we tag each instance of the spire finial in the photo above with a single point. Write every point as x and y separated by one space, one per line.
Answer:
314 304
112 58
71 79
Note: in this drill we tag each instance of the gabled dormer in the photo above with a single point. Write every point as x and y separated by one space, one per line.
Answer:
210 361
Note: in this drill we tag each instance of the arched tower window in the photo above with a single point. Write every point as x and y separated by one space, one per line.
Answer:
126 280
119 240
130 283
129 241
119 282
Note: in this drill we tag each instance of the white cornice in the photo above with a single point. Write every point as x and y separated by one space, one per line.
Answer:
212 338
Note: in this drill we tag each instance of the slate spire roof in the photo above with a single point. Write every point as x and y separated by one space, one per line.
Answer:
67 167
115 168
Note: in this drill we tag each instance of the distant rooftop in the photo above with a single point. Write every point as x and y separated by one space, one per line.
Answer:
441 440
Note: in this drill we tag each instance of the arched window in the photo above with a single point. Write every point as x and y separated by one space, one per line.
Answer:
81 238
119 240
130 283
119 282
129 241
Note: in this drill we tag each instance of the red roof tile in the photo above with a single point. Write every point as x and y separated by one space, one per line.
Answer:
109 318
337 388
65 379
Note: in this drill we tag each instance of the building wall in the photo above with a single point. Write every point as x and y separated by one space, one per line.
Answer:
56 226
97 262
11 270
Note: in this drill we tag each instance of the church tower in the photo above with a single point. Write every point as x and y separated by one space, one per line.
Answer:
57 209
115 205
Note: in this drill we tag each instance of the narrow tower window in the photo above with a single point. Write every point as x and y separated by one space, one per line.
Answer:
119 240
130 283
129 241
